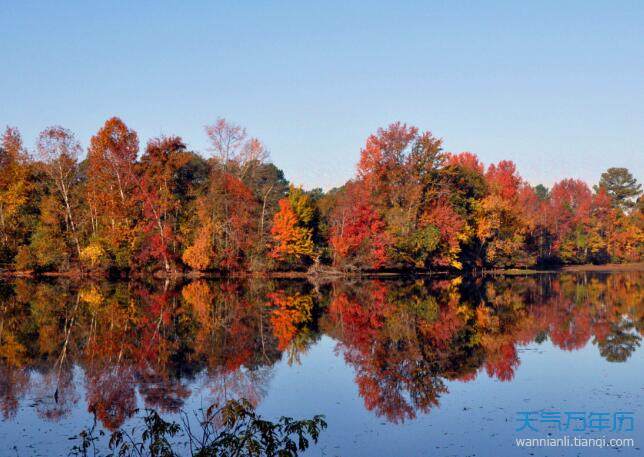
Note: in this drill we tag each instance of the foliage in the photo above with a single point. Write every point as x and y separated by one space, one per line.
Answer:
122 344
92 255
232 430
621 186
111 188
357 234
158 191
293 226
14 192
411 206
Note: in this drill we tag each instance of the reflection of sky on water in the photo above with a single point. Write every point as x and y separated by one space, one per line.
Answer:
476 417
473 416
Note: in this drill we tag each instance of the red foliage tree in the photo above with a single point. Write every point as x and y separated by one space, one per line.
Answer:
156 191
358 234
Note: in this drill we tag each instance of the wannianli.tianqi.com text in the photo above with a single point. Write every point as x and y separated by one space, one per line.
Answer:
575 441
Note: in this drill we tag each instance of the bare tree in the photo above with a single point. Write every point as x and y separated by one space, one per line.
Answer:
233 149
59 151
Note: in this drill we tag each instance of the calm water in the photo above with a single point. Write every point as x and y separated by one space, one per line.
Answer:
398 367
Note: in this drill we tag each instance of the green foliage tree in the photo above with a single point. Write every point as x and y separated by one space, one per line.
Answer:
541 191
621 186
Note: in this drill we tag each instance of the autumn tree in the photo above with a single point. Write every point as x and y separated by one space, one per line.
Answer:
59 150
533 204
112 187
357 232
269 186
402 172
613 235
228 219
385 172
628 243
157 192
569 209
245 157
225 229
233 149
14 192
599 228
464 185
293 226
501 226
411 206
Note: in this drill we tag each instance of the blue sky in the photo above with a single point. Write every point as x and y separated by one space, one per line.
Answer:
558 87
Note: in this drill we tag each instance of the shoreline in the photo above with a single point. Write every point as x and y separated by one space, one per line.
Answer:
583 268
609 267
334 274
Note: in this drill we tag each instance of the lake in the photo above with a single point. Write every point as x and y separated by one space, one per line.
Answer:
450 366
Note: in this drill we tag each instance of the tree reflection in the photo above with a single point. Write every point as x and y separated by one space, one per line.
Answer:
110 342
405 340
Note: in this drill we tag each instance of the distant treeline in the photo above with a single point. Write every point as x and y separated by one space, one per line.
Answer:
411 206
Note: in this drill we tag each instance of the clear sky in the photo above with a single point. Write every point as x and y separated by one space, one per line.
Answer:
556 86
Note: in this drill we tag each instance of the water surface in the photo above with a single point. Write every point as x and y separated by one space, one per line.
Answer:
398 367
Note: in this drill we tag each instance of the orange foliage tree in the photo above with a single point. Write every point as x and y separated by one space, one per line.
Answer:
14 192
59 151
111 189
292 229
